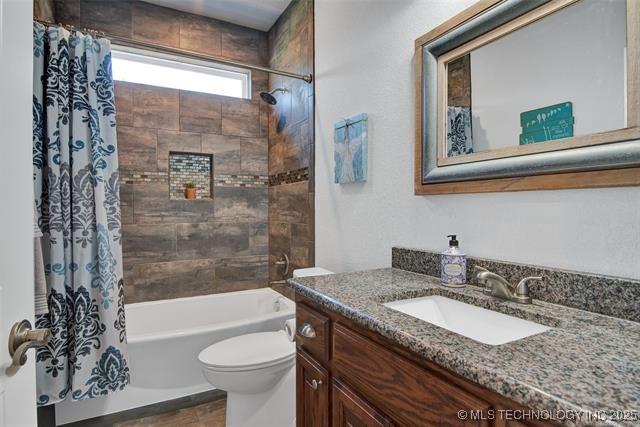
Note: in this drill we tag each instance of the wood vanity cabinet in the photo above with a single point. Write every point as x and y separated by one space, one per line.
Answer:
312 392
348 376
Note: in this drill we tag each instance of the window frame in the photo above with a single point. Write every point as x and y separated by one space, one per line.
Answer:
177 62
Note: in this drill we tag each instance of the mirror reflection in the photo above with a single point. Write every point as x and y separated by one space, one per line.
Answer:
528 87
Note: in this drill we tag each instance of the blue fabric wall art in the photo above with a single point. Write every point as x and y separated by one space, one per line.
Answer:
75 172
350 149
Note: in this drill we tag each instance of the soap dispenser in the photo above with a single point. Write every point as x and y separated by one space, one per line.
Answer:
453 265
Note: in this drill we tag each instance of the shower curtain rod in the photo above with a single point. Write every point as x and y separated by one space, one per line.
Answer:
179 52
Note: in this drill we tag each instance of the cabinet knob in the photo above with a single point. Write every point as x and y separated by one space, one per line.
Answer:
307 331
314 384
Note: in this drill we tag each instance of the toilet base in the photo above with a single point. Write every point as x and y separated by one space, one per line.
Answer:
273 408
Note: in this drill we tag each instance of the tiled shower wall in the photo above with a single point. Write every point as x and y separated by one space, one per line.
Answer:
291 198
177 248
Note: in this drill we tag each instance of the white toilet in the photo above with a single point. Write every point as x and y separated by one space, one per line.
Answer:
258 372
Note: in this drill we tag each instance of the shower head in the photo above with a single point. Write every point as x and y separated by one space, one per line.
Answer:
268 96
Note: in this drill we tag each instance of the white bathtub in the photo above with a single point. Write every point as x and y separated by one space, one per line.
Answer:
165 338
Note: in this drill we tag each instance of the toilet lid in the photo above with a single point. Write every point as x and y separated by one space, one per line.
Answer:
250 351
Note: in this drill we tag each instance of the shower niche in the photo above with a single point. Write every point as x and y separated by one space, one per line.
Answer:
190 169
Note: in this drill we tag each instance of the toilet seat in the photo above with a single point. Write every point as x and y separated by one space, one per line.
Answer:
248 352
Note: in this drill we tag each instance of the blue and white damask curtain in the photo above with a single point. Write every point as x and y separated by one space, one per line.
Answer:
75 171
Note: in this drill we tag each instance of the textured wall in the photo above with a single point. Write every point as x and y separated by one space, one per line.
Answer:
364 54
291 211
177 248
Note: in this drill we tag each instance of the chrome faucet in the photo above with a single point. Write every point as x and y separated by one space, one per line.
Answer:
497 286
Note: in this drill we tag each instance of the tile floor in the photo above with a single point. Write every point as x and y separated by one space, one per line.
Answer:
210 414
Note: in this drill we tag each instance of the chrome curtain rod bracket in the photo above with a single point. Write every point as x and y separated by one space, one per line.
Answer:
179 52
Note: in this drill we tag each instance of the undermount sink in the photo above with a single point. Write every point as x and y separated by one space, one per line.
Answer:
477 323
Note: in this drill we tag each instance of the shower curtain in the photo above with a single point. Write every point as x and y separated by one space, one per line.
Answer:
75 172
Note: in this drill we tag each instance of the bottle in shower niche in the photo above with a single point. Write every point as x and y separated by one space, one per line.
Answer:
453 265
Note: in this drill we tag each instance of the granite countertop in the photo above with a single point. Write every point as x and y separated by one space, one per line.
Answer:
586 363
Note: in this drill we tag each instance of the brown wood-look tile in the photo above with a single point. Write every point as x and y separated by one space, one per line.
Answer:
226 153
290 203
172 141
236 204
136 148
112 17
148 242
152 205
44 9
259 83
200 34
278 41
124 103
264 120
241 118
301 15
300 257
155 24
212 414
279 243
126 203
254 155
213 240
67 11
172 279
244 44
155 108
300 91
182 417
285 155
200 112
259 239
240 273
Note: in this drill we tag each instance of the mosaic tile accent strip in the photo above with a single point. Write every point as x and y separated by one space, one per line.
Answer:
227 180
128 177
612 296
187 167
289 177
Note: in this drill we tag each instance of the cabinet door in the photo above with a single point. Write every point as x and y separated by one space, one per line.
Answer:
312 392
349 410
407 393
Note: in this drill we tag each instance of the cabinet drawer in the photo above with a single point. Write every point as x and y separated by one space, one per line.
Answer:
312 332
312 392
349 410
408 393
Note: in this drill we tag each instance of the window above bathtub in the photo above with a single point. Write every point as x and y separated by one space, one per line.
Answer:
157 69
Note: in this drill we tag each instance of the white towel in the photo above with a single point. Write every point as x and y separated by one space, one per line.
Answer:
40 283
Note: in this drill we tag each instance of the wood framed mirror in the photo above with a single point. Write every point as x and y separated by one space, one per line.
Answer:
529 95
